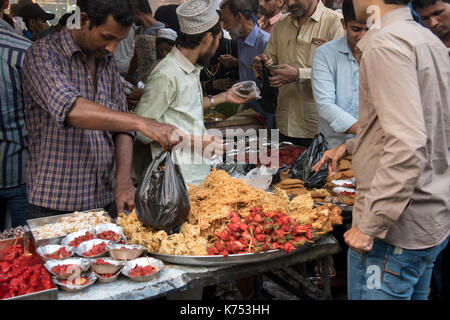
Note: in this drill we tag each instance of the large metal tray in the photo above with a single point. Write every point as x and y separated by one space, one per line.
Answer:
232 259
34 223
51 294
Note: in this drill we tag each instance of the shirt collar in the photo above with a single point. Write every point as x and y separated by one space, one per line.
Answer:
6 25
343 46
272 20
315 16
253 36
69 45
183 62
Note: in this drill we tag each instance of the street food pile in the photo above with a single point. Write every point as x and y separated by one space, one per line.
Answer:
212 202
71 223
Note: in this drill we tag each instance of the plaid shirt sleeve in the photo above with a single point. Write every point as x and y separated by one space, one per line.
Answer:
121 100
47 84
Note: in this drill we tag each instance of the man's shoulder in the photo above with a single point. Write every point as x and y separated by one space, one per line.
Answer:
13 40
331 47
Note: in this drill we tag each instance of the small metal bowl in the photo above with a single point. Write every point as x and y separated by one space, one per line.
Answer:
132 252
98 229
70 237
76 288
142 262
107 280
113 267
88 245
81 262
52 248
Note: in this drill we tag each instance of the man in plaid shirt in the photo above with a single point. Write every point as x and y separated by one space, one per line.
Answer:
77 117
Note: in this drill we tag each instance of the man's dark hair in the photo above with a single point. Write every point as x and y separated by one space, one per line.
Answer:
2 2
23 3
15 9
142 5
168 41
192 41
245 7
398 2
348 10
421 4
168 16
99 10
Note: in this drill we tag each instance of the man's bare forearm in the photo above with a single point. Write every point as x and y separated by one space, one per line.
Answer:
86 114
124 157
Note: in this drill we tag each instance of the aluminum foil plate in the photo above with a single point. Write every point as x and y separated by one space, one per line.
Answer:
69 238
51 248
132 252
214 261
107 280
88 245
81 262
114 266
73 287
142 262
109 227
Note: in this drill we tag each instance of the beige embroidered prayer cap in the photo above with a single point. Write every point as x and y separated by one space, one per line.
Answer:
197 16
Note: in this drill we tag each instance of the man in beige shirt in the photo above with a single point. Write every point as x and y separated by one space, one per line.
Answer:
290 50
271 11
401 157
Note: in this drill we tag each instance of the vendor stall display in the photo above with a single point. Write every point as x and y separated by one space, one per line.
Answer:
214 203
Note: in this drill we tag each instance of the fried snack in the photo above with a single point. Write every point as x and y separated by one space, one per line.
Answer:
284 175
348 174
291 182
349 157
337 176
320 193
345 165
211 203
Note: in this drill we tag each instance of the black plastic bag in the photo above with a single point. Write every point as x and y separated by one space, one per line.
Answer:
162 200
301 168
269 94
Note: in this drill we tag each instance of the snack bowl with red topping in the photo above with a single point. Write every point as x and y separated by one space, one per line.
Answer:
345 191
76 238
125 251
109 231
77 283
106 265
143 269
94 248
107 277
55 252
66 268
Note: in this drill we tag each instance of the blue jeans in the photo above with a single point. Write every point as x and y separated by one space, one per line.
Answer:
391 273
14 199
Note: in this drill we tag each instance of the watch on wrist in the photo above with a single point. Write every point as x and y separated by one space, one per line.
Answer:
213 102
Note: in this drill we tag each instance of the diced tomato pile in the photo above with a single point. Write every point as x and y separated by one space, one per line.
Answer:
287 155
346 193
77 241
108 235
347 185
106 275
59 254
101 261
96 249
80 281
141 271
260 231
22 274
66 268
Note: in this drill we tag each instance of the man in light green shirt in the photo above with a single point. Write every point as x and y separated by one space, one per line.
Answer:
173 93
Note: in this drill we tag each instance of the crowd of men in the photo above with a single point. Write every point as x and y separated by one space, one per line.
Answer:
380 93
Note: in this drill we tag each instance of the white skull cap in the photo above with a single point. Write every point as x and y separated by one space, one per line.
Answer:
197 16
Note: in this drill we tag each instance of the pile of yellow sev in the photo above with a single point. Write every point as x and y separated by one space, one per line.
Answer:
211 203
